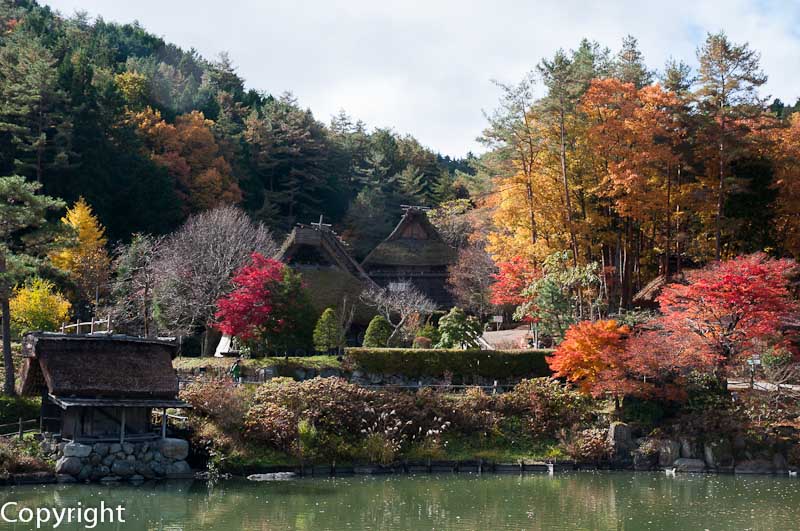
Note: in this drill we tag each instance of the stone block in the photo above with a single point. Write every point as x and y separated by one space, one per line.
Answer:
123 468
69 465
754 466
77 450
177 449
685 464
668 452
101 449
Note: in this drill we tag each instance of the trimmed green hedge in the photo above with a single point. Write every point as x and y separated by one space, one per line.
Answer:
498 364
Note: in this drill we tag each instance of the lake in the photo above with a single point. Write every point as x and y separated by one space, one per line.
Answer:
574 500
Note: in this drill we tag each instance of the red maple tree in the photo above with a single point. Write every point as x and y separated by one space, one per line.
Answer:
511 280
726 311
268 306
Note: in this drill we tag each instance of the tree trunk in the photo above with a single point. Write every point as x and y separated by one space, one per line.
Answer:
567 200
8 360
211 338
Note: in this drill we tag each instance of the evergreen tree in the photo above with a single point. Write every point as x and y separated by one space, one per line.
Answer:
327 333
458 330
32 107
629 65
378 332
25 237
727 93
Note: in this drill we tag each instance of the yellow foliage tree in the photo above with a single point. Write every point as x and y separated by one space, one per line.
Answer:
37 305
86 260
133 87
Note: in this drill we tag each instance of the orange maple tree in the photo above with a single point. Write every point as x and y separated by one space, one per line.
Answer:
591 356
189 151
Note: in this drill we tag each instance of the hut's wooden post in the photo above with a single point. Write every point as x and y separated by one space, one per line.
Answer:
122 428
164 423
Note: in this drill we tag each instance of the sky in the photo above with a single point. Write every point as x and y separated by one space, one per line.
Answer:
426 67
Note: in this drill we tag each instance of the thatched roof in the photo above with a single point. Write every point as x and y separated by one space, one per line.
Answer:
325 244
414 242
648 295
98 366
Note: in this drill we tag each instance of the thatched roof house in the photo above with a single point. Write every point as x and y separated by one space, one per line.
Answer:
90 384
647 297
414 252
328 270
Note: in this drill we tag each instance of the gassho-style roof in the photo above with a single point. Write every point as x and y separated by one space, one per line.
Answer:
96 367
326 243
414 242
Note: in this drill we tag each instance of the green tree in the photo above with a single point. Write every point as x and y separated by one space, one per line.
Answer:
32 106
629 65
457 329
328 335
378 333
26 236
727 94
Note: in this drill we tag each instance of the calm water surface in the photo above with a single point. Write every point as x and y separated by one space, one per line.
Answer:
603 500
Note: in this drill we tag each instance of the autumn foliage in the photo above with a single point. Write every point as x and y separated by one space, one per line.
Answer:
512 278
591 355
268 305
727 310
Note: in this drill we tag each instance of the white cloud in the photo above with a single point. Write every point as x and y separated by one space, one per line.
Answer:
424 67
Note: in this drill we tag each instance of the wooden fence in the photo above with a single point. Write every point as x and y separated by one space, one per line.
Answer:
95 325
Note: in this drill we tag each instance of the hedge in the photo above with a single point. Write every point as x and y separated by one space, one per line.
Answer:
497 364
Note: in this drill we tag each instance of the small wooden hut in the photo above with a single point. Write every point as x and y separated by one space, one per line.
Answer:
100 388
414 252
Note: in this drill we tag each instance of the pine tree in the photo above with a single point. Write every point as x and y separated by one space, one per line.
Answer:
728 80
629 65
25 237
32 107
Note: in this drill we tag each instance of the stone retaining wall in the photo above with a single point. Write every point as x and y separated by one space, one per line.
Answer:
109 462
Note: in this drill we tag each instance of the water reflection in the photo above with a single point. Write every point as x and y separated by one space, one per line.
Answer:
620 501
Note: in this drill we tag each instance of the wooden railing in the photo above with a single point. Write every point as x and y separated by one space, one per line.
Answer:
20 428
92 325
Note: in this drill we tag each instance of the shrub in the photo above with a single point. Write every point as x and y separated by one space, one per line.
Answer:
458 330
435 363
274 425
332 405
19 457
589 445
36 305
429 331
219 400
776 357
548 404
422 342
378 332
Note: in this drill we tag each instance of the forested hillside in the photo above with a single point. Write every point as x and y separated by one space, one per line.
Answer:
149 133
